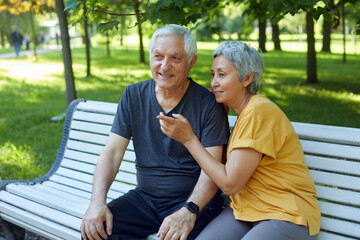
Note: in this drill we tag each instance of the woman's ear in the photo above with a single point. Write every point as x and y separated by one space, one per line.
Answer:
248 79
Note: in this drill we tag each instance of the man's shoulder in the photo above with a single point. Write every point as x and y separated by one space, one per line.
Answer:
139 86
202 91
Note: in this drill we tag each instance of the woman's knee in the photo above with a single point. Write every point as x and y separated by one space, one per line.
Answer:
224 227
278 230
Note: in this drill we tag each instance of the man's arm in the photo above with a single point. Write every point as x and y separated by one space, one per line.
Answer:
179 224
92 226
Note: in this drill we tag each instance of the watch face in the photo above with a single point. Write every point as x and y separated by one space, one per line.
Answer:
193 207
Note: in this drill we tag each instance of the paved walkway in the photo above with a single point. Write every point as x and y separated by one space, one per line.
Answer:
30 52
40 50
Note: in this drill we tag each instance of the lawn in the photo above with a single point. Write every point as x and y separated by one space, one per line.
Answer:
34 91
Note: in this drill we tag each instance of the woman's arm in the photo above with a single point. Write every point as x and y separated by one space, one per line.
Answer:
230 177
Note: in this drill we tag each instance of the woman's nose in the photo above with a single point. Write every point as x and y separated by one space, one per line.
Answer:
214 83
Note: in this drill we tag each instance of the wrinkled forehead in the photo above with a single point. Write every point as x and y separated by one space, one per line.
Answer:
173 44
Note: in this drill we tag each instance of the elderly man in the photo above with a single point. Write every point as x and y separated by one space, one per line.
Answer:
174 198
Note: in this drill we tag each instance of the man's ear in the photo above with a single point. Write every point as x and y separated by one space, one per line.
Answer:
248 79
193 61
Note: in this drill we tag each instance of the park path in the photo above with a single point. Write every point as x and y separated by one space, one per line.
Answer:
40 50
49 48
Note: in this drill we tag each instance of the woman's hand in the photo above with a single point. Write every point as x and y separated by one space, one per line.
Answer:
176 127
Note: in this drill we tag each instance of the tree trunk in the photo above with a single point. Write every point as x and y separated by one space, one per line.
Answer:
32 25
276 36
218 27
122 30
87 42
137 11
66 52
107 43
2 35
311 54
326 36
343 30
262 35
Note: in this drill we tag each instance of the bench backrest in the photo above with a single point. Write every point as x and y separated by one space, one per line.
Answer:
331 153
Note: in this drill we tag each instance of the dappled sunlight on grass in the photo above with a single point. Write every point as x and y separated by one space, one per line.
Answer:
308 104
19 162
30 71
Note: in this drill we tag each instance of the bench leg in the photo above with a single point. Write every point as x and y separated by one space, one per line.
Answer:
12 232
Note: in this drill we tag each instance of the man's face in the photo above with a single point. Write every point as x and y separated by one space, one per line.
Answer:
169 62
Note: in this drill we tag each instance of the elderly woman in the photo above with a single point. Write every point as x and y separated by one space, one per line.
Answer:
272 193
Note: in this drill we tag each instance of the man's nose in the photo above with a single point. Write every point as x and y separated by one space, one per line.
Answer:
165 65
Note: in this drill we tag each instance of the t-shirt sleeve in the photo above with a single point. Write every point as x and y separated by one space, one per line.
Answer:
216 126
252 132
122 121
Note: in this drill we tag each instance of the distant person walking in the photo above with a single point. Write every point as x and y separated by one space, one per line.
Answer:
27 41
16 40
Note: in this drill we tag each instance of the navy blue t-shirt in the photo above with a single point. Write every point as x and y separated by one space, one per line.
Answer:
164 166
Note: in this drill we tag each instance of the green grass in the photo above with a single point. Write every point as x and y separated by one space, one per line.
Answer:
34 91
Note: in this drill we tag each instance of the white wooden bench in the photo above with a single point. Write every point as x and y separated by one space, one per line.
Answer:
52 206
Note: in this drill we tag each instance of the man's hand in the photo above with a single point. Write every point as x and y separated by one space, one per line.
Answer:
177 225
92 225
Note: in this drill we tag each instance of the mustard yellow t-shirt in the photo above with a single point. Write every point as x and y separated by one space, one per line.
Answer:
281 187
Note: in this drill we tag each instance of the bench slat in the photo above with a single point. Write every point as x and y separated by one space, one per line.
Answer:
92 159
338 180
81 156
331 236
60 186
93 117
37 224
338 195
41 211
331 149
67 189
90 168
40 189
90 127
79 176
68 178
334 165
326 133
84 147
334 225
88 137
340 211
96 106
60 193
73 208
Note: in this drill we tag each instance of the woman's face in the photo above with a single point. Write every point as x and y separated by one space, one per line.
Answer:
225 82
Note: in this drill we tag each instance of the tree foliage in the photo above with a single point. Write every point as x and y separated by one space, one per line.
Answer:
16 7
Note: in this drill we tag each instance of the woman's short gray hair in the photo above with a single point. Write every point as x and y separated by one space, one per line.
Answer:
174 30
246 60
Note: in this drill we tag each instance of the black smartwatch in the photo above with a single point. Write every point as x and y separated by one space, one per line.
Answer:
192 207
